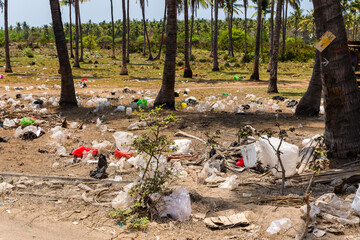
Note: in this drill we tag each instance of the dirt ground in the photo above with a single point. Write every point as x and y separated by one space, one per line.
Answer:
40 207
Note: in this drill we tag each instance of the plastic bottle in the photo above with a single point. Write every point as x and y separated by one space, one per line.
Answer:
128 111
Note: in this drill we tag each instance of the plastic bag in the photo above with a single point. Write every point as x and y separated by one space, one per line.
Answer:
9 123
59 136
123 140
182 145
104 147
279 225
122 200
230 183
79 152
100 171
177 205
356 203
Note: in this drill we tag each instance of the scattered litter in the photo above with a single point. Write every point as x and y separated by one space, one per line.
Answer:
230 183
100 171
279 225
222 222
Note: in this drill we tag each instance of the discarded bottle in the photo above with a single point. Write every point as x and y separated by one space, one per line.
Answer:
27 121
142 103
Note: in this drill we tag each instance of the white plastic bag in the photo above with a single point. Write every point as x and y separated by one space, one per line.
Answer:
104 147
230 183
279 225
59 137
122 200
356 203
123 140
177 205
182 146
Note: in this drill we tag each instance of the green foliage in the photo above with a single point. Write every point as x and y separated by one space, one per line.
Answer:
27 52
192 57
238 39
89 42
247 58
104 42
298 53
319 160
130 217
180 63
233 59
2 41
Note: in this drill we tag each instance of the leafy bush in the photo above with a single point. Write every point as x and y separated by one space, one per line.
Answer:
180 63
89 42
27 52
192 57
238 39
298 53
104 42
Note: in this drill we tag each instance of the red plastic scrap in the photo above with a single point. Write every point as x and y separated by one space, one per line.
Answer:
80 151
118 154
240 162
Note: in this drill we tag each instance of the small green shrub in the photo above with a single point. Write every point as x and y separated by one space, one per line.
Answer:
192 57
180 63
233 59
27 52
104 42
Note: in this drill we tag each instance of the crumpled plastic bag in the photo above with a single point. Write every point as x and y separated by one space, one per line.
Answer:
355 205
230 183
279 225
177 205
122 200
100 171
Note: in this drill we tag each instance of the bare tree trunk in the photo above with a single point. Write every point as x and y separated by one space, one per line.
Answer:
81 39
192 23
162 32
124 70
76 62
166 95
67 97
231 50
262 30
7 49
245 26
341 93
354 26
271 34
212 31
309 104
215 59
272 87
255 73
71 40
145 30
112 29
284 31
187 68
128 33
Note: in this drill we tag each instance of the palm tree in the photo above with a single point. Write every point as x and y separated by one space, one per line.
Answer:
67 97
294 4
76 62
230 8
245 26
296 16
195 4
166 95
128 32
215 49
272 87
142 5
4 6
271 33
341 93
69 2
112 29
309 104
81 59
354 8
187 68
124 70
255 73
162 32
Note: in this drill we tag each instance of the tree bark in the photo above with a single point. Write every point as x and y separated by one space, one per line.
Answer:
124 70
230 19
112 29
212 31
162 32
67 97
215 52
145 30
255 73
71 46
309 104
7 48
187 68
81 59
76 60
271 33
128 33
272 87
192 23
245 26
341 93
166 95
284 31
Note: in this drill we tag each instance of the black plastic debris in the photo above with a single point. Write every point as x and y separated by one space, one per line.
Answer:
176 94
100 171
4 139
28 136
39 102
32 64
278 98
235 144
212 153
18 96
292 103
42 151
245 107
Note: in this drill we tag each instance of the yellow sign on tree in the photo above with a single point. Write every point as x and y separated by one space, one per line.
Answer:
324 41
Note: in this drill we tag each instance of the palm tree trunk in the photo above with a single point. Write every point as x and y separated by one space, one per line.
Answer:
76 60
271 33
212 31
255 73
245 26
145 30
187 68
166 95
284 31
296 29
262 30
81 38
112 29
162 32
231 51
71 48
128 33
341 93
215 53
272 87
309 104
192 23
354 26
67 97
124 70
7 49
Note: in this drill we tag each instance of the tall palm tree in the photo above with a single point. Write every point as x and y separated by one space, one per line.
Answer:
76 60
69 2
128 32
112 29
294 4
309 104
4 5
166 95
81 59
255 73
245 26
271 33
142 5
230 7
162 32
187 68
341 93
67 97
215 50
272 87
195 4
124 70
